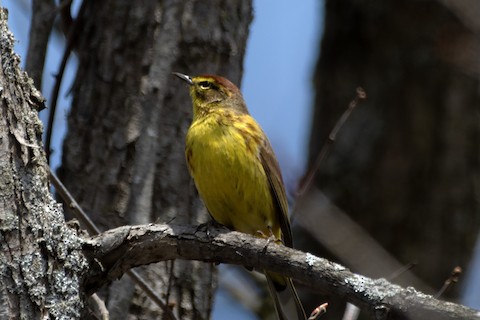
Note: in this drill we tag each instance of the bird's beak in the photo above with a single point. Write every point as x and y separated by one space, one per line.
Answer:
184 77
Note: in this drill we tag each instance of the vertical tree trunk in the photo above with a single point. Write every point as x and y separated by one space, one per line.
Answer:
40 257
123 155
406 165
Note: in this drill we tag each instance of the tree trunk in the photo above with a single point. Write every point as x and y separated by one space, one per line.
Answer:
123 156
41 258
406 164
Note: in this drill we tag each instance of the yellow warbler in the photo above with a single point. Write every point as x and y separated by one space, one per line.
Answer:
237 175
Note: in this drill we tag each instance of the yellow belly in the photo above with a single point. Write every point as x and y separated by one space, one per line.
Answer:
229 175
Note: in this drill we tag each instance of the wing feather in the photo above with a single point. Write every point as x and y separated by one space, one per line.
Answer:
272 170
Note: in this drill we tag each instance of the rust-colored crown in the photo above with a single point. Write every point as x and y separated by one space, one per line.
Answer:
224 82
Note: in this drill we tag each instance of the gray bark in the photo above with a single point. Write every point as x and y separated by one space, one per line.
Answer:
42 264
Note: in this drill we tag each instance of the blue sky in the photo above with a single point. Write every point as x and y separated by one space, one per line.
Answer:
279 65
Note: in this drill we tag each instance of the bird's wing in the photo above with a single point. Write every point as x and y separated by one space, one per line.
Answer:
272 170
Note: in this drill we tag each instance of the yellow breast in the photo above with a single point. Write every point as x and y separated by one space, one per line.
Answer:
222 151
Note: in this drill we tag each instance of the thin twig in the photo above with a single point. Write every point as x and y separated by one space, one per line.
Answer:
100 304
318 311
93 230
312 172
140 281
402 270
58 77
73 204
331 139
456 272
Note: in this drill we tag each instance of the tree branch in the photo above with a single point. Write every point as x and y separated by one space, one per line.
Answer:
118 250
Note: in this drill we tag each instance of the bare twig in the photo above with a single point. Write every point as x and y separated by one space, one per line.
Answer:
318 311
58 77
100 305
139 281
73 205
456 272
401 271
93 230
312 172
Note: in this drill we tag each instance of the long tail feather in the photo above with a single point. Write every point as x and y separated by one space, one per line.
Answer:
285 297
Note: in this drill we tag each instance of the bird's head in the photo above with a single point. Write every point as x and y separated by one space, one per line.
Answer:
211 92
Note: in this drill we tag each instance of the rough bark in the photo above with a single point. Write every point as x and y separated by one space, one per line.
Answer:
42 264
123 155
406 165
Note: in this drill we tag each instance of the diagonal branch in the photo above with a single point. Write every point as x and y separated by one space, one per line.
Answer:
118 250
93 229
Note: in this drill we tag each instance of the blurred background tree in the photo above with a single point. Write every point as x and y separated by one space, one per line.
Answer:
406 165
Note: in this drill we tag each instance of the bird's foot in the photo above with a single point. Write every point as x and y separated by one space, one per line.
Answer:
270 238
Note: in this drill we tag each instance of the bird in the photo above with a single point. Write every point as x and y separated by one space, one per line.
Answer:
237 174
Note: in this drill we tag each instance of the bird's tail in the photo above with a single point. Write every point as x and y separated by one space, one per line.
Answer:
285 297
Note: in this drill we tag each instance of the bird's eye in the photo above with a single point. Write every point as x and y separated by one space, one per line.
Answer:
205 85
